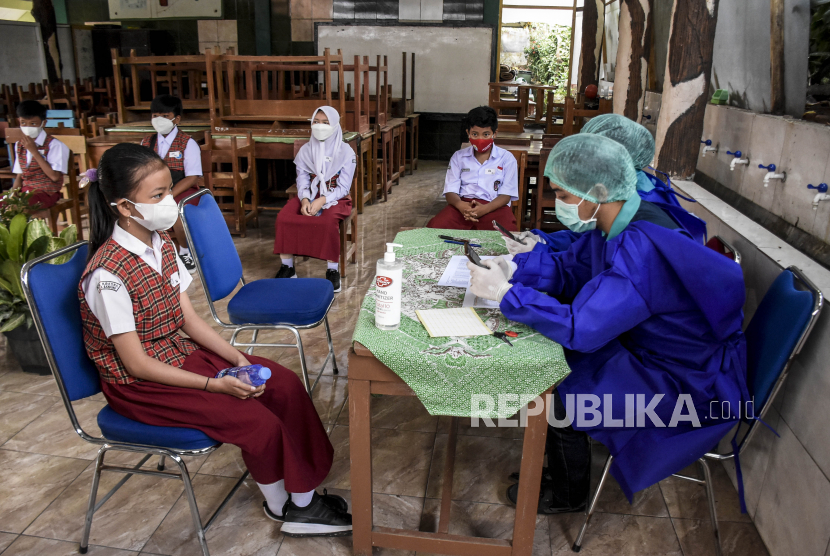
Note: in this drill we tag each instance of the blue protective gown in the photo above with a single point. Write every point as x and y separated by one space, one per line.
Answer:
648 311
650 189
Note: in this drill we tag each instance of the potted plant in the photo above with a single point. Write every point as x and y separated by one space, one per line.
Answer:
22 241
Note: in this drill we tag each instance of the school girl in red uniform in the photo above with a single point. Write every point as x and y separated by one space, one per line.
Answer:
309 224
134 303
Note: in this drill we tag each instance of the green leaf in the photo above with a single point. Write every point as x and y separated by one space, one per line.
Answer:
36 229
70 234
16 230
10 271
55 244
8 287
38 247
4 240
14 322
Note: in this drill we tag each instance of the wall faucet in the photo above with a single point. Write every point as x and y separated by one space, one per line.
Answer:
771 175
737 159
708 148
821 195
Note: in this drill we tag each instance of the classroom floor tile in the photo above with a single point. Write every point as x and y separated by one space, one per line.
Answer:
47 469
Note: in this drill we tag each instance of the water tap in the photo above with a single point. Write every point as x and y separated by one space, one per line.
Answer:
737 160
821 195
708 148
771 175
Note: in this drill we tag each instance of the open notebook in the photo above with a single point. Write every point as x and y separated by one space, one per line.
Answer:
462 321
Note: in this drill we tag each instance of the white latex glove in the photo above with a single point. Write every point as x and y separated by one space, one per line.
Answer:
514 247
491 282
506 264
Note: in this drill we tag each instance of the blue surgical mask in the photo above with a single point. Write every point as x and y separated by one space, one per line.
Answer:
568 214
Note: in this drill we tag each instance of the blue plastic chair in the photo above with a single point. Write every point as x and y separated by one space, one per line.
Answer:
52 293
267 304
775 335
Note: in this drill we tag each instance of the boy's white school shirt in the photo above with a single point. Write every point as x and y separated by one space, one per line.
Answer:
467 177
58 157
106 294
192 154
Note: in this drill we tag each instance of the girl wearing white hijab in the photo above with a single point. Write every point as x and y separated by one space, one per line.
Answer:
308 225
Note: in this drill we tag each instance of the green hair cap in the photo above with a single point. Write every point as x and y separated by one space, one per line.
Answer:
631 135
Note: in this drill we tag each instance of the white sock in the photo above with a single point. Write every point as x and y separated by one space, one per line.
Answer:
288 262
276 495
184 250
333 266
301 499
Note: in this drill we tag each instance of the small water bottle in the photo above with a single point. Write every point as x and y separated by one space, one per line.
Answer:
255 375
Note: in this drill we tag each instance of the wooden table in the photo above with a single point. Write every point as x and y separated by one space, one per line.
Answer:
413 132
97 146
369 376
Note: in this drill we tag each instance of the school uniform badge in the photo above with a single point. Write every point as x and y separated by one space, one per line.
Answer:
112 286
174 280
176 154
496 185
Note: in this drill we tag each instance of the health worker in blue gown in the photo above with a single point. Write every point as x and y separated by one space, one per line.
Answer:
639 143
650 321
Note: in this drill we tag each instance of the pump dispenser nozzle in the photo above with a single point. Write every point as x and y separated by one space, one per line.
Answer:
389 256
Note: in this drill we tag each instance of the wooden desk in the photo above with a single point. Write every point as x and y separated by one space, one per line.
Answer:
97 146
369 376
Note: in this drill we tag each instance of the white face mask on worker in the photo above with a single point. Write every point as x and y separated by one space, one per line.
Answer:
30 131
157 216
321 132
162 125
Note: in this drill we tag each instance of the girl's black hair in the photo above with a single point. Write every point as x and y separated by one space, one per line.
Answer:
121 169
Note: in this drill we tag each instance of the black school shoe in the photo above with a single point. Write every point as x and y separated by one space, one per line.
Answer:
333 276
189 263
317 519
337 503
548 503
286 271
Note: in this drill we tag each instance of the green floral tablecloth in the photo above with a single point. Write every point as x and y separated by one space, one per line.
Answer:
446 373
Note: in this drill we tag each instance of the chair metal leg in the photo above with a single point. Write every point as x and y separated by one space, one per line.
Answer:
160 465
331 347
710 496
93 493
303 366
250 350
577 546
194 509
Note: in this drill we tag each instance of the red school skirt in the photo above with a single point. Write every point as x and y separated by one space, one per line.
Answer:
451 219
311 236
280 433
41 199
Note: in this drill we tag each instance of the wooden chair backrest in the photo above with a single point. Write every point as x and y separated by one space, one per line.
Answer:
520 206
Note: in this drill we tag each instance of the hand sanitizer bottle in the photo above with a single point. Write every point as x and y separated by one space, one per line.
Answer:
388 282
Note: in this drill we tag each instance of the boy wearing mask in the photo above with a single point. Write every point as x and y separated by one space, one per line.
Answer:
181 154
481 181
40 160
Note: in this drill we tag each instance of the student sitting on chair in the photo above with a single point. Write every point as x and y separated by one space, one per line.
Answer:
309 224
134 305
181 154
40 160
481 181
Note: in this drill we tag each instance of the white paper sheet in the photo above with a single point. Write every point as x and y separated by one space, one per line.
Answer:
457 274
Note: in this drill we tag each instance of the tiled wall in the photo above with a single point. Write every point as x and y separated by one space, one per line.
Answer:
799 148
409 10
787 479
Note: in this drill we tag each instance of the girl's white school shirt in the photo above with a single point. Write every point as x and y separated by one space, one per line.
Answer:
106 294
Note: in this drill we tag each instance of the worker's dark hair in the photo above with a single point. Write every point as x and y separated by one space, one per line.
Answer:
482 116
163 104
121 169
31 109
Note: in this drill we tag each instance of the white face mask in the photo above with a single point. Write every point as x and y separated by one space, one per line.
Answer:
30 131
568 214
157 216
162 125
321 132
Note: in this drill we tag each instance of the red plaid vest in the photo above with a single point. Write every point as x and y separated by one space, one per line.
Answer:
179 144
33 177
156 309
